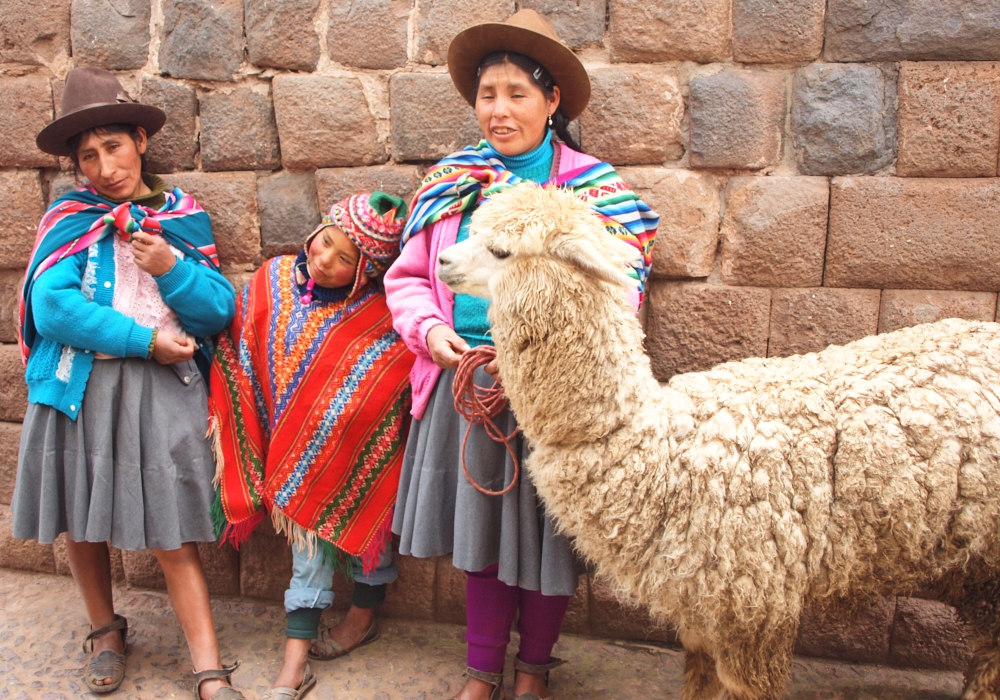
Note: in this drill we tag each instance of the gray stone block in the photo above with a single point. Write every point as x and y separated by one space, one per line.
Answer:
579 24
777 31
440 20
34 31
289 211
100 28
370 34
281 34
202 39
429 118
843 119
238 131
914 30
174 146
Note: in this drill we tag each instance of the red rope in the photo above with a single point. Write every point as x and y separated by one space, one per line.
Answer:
481 405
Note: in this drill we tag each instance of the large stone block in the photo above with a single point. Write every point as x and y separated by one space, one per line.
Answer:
28 555
807 320
922 233
27 109
174 146
61 182
142 570
289 210
412 593
694 327
777 31
13 390
10 440
902 308
231 201
634 115
843 119
10 286
238 131
928 634
862 637
914 30
34 31
579 24
22 205
324 122
222 568
202 39
577 620
369 34
449 592
949 119
429 118
334 184
281 34
737 119
99 27
774 231
611 617
265 564
670 30
438 21
689 207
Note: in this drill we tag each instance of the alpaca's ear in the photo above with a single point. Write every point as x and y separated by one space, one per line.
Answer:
586 257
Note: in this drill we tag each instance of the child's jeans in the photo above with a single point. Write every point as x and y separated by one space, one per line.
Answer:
310 591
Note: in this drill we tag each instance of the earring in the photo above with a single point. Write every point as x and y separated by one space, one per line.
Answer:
550 121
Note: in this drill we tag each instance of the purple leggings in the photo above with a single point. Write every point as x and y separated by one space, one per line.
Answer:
490 605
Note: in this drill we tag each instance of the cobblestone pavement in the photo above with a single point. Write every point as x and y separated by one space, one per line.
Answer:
43 625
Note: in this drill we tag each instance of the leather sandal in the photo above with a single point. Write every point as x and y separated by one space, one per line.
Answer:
285 693
536 668
326 647
107 664
494 679
227 692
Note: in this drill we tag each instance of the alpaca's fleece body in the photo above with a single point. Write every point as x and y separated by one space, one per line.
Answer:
729 500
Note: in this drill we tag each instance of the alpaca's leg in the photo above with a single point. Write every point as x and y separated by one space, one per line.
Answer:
700 679
758 669
979 605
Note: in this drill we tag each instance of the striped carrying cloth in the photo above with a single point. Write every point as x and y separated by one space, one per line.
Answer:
465 178
309 406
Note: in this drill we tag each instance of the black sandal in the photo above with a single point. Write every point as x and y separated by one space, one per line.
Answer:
227 692
107 664
535 668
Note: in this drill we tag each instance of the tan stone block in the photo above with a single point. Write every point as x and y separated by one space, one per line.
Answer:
265 564
439 21
282 34
22 554
449 592
369 34
62 563
429 118
142 570
10 441
669 30
777 31
577 620
901 233
324 122
13 390
61 182
238 131
34 31
928 634
27 109
694 327
689 206
861 637
774 231
807 320
231 200
222 568
902 308
10 285
21 207
412 594
334 184
611 617
634 115
949 119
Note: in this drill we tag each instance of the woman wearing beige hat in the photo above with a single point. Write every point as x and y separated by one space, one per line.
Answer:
526 87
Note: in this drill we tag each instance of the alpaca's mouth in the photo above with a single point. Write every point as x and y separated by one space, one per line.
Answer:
449 278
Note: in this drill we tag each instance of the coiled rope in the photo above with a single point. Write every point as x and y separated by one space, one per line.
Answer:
481 405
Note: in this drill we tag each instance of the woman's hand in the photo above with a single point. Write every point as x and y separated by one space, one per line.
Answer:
170 348
493 369
152 253
445 346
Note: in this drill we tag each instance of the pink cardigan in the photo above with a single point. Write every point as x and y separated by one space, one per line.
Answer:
419 301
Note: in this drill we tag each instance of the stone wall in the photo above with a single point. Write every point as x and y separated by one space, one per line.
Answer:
825 169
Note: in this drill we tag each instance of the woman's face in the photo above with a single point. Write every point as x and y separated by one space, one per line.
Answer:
113 163
512 110
332 258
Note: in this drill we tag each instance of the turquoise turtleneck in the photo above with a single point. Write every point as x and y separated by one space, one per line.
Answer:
471 322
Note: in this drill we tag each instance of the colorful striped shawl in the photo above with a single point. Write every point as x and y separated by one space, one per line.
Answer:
465 178
82 217
310 407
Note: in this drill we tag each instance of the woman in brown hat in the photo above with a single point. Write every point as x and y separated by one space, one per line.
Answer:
121 295
526 86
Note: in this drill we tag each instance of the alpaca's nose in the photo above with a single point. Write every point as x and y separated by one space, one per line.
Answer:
442 259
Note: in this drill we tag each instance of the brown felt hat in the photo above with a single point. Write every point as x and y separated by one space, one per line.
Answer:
525 32
93 97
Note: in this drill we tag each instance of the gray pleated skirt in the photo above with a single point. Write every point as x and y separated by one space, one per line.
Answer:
438 511
134 469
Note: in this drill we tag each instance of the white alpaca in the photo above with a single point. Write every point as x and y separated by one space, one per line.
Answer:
729 500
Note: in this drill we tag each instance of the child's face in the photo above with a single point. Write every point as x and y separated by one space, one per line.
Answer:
332 258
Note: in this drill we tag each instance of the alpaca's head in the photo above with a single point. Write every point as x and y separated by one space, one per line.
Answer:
531 221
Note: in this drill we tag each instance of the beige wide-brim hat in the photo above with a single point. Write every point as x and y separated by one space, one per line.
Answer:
525 32
93 97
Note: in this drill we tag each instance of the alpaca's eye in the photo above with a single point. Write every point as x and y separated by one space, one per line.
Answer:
500 254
